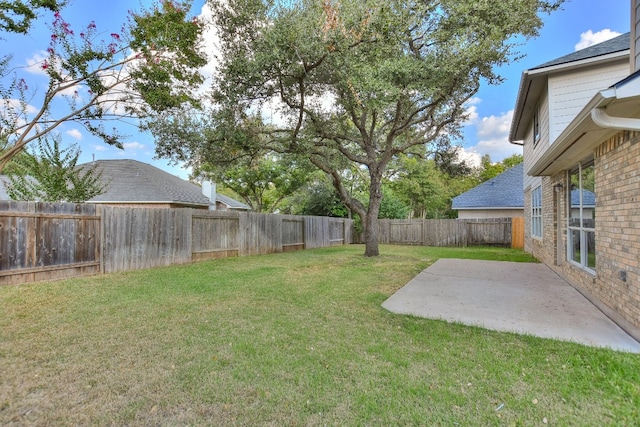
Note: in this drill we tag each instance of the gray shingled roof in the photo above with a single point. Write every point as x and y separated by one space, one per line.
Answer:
616 44
588 198
131 181
231 203
502 191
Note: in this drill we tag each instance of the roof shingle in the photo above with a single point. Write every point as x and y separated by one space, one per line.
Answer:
501 191
131 181
616 44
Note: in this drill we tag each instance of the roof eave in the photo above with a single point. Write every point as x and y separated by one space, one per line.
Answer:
138 202
531 85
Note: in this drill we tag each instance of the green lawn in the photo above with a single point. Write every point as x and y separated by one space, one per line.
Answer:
287 339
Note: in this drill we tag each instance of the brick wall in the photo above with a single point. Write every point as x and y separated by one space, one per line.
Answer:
542 249
615 287
617 180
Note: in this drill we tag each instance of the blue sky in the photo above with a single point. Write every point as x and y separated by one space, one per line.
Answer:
580 21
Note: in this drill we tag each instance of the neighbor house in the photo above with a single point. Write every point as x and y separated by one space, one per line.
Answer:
578 118
130 183
498 197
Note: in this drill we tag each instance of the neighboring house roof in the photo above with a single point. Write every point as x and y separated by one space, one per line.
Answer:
501 191
231 203
588 198
533 81
131 181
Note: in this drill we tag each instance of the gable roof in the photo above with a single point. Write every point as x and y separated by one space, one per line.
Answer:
131 181
501 191
533 80
231 203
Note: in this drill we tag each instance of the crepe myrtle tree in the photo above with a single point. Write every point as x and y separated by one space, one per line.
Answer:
147 66
355 83
52 174
16 16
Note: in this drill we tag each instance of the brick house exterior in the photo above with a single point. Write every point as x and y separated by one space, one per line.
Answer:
578 118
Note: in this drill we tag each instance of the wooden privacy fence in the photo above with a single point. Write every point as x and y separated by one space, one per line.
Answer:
449 232
40 241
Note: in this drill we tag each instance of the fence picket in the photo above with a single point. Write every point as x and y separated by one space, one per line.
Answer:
41 241
445 232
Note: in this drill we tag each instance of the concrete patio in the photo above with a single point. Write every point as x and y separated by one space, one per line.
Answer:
524 298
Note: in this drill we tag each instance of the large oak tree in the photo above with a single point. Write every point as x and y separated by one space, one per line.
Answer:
355 83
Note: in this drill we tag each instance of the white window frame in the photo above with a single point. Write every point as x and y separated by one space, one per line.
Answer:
586 234
536 212
536 126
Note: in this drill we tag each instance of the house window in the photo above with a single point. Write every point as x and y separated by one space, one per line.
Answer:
536 126
536 212
581 239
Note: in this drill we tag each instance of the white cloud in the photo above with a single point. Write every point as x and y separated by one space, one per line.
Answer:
75 134
34 64
15 105
471 157
211 42
472 115
495 126
13 111
492 133
472 111
589 38
474 101
133 146
98 147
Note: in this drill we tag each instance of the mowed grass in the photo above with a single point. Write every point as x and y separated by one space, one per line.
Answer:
296 339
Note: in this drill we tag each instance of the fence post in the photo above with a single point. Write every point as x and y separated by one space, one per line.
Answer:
100 245
517 233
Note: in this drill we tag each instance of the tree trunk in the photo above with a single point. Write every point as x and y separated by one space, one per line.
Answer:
370 222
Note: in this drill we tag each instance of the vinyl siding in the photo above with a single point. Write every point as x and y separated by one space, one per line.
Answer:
490 213
531 153
635 35
569 92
